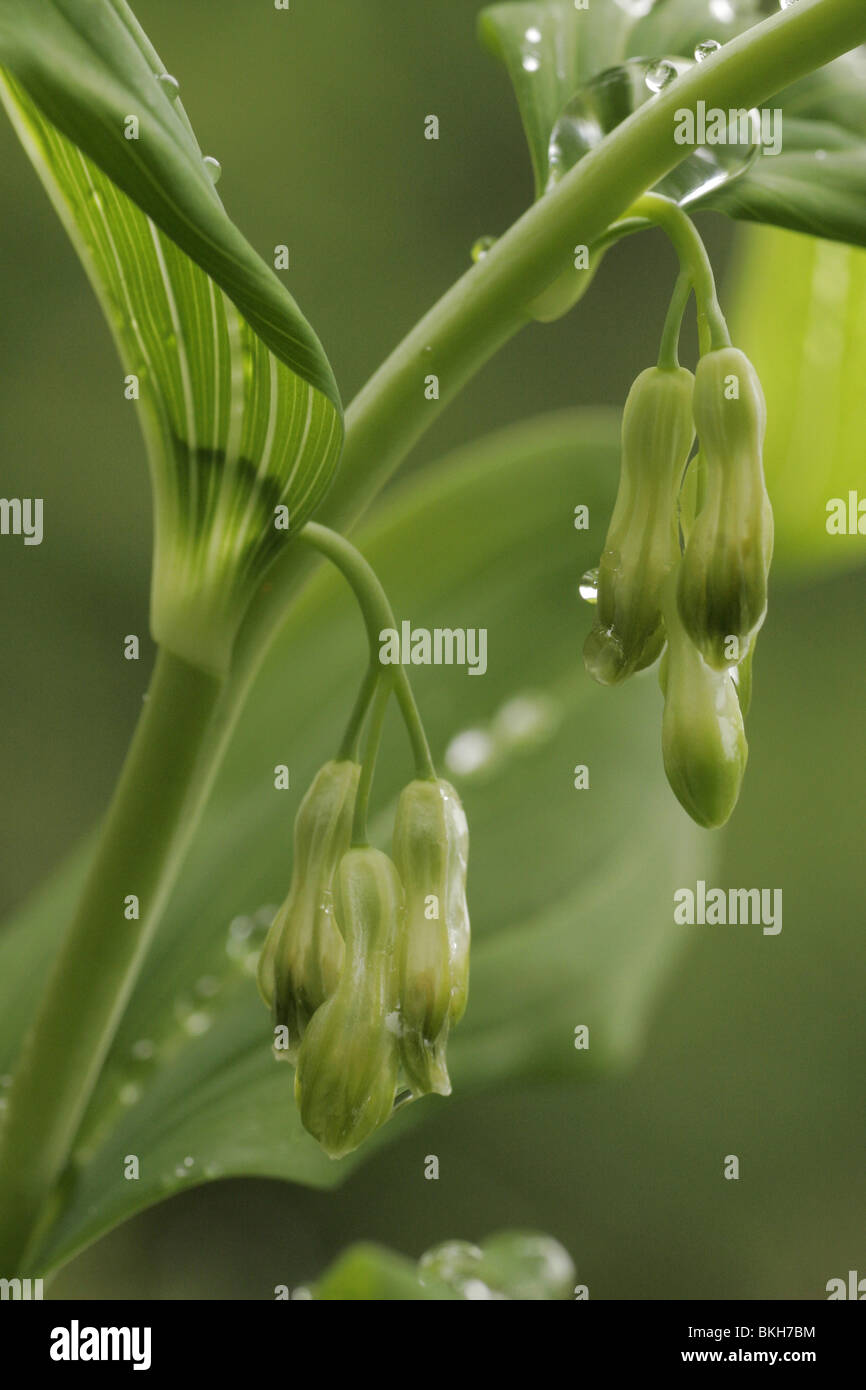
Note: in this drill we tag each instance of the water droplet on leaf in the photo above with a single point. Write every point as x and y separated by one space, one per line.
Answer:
169 85
636 8
531 62
213 167
468 752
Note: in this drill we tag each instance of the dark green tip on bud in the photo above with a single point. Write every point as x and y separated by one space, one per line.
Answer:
302 958
641 544
703 739
431 849
722 593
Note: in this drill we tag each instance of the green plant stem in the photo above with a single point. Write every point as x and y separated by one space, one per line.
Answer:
378 615
689 246
669 350
384 691
352 737
166 790
144 837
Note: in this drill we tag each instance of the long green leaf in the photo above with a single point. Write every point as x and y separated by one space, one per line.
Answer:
239 406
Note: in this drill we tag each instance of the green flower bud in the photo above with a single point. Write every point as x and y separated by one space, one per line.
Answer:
641 544
302 958
348 1064
431 848
703 739
722 592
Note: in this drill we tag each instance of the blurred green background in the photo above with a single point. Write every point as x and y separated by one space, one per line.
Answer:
759 1044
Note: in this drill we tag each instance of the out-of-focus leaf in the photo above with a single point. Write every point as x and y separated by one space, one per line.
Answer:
570 891
239 407
799 312
817 183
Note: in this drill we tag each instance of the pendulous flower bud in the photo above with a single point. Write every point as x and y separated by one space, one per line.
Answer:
703 739
431 849
641 544
348 1064
302 957
722 592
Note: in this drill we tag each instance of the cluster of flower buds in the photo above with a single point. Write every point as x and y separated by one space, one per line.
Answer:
706 601
366 966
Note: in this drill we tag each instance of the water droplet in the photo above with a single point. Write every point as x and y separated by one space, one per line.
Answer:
129 1094
588 587
723 11
480 249
636 8
197 1023
820 154
469 752
169 85
706 49
660 75
143 1050
531 62
533 35
525 720
786 4
601 104
188 1162
213 167
180 1171
240 928
207 986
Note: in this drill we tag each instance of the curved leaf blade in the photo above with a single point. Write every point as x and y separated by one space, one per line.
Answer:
88 69
239 412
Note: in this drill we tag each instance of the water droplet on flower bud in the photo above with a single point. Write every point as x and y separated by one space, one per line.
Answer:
480 249
169 85
707 49
213 167
660 75
588 587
